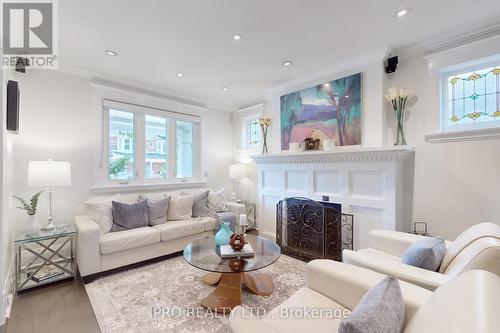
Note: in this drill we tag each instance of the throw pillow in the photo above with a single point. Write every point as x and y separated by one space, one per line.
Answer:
200 203
381 310
180 208
101 211
217 200
129 216
157 209
426 253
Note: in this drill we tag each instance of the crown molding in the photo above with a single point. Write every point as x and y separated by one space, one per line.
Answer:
338 70
338 155
145 89
448 41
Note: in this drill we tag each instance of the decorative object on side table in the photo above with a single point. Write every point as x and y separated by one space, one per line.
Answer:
223 235
398 98
265 123
49 175
237 172
30 209
50 257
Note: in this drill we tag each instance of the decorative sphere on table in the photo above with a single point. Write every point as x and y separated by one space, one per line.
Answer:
222 236
237 242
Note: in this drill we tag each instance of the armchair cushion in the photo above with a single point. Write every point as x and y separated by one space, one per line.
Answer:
381 310
426 253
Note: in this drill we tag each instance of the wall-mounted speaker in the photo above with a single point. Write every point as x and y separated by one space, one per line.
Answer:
392 64
12 106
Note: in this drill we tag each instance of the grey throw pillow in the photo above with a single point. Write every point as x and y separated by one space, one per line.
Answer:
127 216
426 253
381 310
157 209
200 204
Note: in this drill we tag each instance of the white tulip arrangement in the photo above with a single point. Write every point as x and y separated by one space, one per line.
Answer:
398 97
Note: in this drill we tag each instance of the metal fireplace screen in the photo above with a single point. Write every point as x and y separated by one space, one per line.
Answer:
308 229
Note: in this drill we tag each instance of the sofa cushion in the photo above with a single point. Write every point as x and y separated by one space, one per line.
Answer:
426 253
178 229
284 319
112 242
157 209
381 310
101 211
470 235
180 208
131 216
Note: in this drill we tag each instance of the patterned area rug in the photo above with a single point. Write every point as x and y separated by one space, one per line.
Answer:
165 297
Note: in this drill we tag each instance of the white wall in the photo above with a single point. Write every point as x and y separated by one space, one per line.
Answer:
456 184
57 121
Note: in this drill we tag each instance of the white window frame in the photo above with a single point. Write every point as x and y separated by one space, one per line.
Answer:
245 135
140 145
456 70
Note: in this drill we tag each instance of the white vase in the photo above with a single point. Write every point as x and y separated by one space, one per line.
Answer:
33 224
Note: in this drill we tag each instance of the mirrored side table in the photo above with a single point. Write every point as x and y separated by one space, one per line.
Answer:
44 257
251 211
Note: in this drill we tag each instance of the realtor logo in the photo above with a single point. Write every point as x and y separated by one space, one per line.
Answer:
28 32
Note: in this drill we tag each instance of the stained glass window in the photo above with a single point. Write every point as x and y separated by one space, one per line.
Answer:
473 97
253 133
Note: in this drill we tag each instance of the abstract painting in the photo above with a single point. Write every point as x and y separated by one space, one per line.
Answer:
327 111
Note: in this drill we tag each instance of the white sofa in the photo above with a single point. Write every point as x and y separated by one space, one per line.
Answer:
476 248
339 286
98 252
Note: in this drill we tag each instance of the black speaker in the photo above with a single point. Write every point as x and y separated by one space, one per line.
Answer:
12 106
392 64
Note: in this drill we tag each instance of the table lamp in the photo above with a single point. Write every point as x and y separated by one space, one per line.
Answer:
49 175
238 172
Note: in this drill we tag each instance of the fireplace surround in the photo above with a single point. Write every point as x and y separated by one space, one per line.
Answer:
308 229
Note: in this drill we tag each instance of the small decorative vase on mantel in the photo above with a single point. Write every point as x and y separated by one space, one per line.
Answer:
265 123
398 97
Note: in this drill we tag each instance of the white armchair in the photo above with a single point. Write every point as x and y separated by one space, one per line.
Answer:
476 248
338 286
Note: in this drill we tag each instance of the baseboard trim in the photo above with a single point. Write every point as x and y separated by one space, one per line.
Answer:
92 277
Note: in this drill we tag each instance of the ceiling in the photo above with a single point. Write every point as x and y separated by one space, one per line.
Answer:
157 39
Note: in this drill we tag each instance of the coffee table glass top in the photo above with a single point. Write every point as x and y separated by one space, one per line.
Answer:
204 254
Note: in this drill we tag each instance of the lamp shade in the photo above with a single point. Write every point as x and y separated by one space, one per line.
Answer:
49 174
237 171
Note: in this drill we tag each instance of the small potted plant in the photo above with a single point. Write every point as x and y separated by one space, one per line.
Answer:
30 209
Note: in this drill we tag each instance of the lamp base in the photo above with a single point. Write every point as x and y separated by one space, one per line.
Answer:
50 227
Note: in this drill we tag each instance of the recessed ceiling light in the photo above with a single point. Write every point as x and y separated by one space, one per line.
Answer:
111 53
403 12
237 36
287 63
180 74
225 89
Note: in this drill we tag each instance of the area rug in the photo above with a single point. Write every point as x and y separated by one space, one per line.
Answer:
165 297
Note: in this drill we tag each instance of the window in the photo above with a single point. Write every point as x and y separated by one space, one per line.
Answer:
121 149
156 161
471 97
148 144
253 129
185 149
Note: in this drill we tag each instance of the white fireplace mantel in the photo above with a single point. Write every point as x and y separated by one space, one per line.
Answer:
373 184
338 155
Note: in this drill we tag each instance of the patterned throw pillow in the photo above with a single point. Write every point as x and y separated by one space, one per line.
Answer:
217 200
381 310
200 203
208 212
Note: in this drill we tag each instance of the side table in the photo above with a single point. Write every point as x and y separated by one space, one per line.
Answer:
251 211
49 256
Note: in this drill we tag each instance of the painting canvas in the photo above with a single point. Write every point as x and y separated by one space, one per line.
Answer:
327 111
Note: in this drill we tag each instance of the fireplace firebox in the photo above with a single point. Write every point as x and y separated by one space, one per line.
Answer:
308 229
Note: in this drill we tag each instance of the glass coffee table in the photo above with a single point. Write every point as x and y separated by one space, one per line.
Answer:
232 274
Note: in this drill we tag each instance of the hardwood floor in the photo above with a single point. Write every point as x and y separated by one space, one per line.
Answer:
60 307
